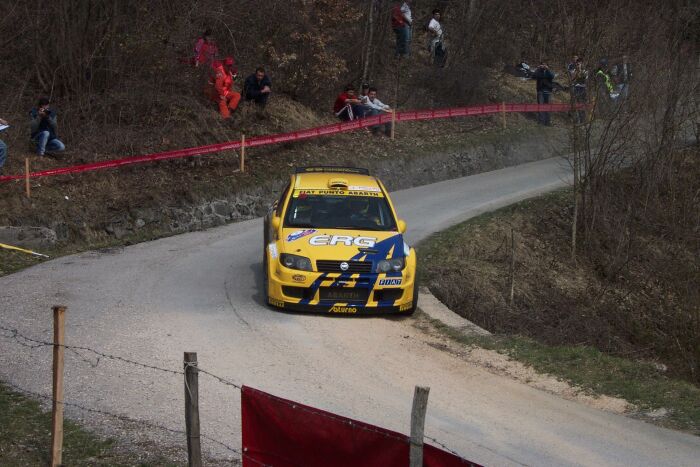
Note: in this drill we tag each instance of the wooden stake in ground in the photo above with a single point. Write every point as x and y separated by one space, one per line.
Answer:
27 186
503 114
393 123
512 266
242 153
59 321
194 448
420 407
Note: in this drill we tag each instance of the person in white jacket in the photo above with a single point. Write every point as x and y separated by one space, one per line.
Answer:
376 107
434 34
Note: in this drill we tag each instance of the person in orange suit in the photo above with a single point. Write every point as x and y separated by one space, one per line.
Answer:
225 73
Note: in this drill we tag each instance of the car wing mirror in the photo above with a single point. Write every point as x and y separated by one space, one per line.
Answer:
275 223
401 225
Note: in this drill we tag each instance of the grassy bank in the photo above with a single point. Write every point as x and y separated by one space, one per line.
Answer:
554 321
25 439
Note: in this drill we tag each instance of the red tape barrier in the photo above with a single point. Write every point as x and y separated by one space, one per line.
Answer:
407 116
285 433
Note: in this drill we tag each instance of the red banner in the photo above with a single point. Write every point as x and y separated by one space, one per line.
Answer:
284 433
408 116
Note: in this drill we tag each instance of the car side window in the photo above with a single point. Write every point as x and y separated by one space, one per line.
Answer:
280 203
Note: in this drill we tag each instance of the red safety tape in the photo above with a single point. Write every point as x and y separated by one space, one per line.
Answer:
407 116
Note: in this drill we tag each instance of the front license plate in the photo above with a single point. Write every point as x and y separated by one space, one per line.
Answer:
344 294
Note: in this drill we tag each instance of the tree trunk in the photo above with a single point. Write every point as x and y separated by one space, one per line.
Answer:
370 37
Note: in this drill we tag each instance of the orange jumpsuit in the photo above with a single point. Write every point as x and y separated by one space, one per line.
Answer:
222 84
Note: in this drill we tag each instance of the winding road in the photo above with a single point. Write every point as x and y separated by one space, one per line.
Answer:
201 292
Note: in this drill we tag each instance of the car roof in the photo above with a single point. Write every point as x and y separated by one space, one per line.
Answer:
321 181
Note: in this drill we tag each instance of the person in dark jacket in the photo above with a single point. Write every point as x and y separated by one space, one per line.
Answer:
3 146
544 78
258 87
43 127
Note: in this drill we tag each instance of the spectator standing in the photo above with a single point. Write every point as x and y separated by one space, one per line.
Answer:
571 67
579 78
205 49
401 21
377 107
544 77
435 36
3 146
221 86
258 87
348 106
44 126
604 81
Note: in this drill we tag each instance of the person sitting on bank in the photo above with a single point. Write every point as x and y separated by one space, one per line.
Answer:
258 87
44 126
3 146
377 107
220 86
348 106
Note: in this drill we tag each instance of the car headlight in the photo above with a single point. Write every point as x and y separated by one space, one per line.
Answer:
295 262
388 265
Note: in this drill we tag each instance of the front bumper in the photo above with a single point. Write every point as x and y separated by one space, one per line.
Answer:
302 290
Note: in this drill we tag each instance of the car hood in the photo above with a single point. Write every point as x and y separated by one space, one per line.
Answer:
342 244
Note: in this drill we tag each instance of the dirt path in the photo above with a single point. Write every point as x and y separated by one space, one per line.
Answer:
201 292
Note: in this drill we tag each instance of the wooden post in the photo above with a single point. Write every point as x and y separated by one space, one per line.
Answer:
27 186
512 266
59 321
420 406
393 123
503 114
242 153
194 448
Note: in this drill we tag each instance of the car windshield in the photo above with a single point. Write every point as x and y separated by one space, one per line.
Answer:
339 212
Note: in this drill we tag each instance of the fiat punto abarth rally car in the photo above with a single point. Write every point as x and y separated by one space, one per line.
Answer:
333 244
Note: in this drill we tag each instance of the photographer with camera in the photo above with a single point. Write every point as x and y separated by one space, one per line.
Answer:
544 77
44 127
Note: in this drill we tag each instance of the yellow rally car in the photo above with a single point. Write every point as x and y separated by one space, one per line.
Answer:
333 244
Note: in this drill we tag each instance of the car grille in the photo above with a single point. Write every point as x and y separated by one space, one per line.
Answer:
355 267
343 294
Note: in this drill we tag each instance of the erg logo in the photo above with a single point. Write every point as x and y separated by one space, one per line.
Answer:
347 240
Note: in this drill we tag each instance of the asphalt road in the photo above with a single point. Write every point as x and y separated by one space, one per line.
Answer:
200 292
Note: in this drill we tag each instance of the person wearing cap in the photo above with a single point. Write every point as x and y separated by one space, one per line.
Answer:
221 86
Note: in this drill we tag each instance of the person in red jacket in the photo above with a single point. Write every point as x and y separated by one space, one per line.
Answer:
401 21
220 88
348 106
205 49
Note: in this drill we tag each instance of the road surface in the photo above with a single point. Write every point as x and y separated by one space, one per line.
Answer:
201 292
